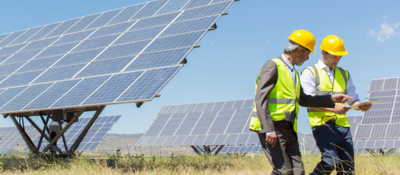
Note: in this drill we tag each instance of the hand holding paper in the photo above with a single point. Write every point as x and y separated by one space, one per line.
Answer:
364 106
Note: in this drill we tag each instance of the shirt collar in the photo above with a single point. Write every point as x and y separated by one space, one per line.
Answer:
322 65
287 62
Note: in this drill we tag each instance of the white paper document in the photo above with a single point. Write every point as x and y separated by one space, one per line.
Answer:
355 107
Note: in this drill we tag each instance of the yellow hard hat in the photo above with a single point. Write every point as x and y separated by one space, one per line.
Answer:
304 38
333 45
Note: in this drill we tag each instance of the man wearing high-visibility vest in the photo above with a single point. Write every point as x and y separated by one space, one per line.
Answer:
330 126
278 95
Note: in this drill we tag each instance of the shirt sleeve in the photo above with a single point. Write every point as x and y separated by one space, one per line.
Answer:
307 82
351 91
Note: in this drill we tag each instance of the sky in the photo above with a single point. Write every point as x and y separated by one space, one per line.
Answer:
226 65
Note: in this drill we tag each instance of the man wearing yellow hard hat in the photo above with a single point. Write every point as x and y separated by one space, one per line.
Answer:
330 126
278 95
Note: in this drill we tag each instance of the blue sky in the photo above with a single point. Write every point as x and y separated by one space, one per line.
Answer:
227 63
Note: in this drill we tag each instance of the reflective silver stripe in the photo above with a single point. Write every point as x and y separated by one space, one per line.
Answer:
313 110
328 93
282 101
344 76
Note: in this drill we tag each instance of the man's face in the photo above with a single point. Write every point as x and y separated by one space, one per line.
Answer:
330 60
302 56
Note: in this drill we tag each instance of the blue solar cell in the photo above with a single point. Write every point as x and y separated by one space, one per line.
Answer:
172 6
154 21
370 144
148 84
3 36
45 31
119 28
160 141
80 92
10 50
199 107
218 1
228 105
20 79
190 26
197 3
179 140
2 58
173 42
220 139
150 141
169 141
26 35
188 124
11 38
63 27
116 118
181 109
9 69
230 149
79 57
105 67
210 139
19 57
93 147
73 37
51 95
9 94
103 19
83 23
95 43
379 144
38 64
199 140
126 14
238 104
204 11
113 88
39 44
123 50
59 73
149 9
248 104
189 140
242 139
57 50
141 141
231 139
139 35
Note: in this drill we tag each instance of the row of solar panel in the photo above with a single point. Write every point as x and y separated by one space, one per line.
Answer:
231 139
210 106
242 149
92 139
104 89
384 84
150 9
10 138
198 123
378 131
356 151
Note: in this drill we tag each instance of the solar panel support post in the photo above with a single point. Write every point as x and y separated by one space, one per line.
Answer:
37 128
43 133
196 150
219 148
24 136
63 131
78 141
63 137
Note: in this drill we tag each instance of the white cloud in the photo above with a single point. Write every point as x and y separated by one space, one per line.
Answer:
386 32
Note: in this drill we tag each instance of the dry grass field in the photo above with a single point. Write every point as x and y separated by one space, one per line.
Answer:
192 165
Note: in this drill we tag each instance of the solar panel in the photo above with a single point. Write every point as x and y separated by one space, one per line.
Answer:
119 56
93 138
10 138
212 123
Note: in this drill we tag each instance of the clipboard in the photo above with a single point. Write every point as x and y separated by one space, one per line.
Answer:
355 107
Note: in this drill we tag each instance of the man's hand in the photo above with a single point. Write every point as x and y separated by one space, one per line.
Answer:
341 98
363 107
271 139
341 109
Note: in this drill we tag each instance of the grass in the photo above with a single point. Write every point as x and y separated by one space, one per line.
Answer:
156 165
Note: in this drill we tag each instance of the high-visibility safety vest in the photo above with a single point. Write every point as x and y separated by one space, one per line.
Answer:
324 86
283 99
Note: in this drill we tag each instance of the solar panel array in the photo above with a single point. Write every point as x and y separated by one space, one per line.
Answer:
242 148
10 138
212 123
92 139
354 122
119 56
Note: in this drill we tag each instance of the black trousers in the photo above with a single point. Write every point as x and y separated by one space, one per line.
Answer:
285 157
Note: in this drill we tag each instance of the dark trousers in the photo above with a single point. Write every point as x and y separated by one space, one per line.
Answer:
285 157
336 146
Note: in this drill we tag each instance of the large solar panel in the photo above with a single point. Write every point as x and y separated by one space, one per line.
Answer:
380 126
10 138
212 123
92 139
119 56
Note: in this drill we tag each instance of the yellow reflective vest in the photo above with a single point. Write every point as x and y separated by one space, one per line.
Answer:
324 86
283 99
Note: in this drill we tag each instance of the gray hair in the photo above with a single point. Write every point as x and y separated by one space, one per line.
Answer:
292 47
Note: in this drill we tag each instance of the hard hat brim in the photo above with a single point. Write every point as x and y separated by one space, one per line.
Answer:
338 53
301 45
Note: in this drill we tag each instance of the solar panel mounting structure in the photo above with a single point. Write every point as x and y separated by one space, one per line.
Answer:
125 55
202 125
379 131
